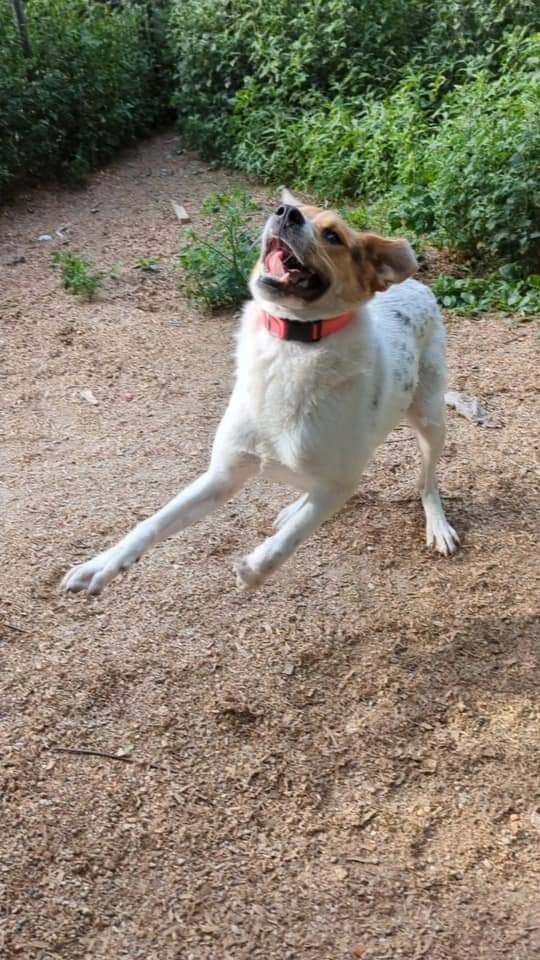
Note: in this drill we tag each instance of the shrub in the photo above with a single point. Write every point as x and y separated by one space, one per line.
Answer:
453 148
295 52
332 98
290 50
91 85
337 148
470 296
467 34
480 168
216 270
77 275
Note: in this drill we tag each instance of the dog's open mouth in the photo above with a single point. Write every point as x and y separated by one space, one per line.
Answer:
284 271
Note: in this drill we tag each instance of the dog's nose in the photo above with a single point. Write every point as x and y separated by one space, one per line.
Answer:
287 214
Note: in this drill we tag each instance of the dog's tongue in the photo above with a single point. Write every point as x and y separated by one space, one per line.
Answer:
274 263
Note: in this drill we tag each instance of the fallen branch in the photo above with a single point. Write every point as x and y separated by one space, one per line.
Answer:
81 752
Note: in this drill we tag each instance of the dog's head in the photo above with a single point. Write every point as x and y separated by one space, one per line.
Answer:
313 265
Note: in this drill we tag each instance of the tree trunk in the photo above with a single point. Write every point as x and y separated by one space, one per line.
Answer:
23 31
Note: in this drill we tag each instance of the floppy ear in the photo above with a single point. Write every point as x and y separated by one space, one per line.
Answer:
392 260
288 197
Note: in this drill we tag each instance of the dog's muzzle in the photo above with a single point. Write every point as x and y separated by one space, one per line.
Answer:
285 257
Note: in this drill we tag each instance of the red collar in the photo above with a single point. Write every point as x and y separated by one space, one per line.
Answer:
310 331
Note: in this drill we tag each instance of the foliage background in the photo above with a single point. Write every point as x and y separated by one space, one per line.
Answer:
97 78
419 115
430 110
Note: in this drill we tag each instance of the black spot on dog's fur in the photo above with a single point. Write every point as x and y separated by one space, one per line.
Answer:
407 357
403 317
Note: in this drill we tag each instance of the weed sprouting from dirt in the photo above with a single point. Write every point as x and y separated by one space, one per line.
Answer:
147 265
77 275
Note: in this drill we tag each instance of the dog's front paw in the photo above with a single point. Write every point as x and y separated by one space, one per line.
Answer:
95 574
442 536
247 578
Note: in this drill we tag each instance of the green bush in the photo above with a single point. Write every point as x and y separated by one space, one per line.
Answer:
291 50
94 81
481 167
215 268
426 111
338 148
296 53
428 108
466 34
504 291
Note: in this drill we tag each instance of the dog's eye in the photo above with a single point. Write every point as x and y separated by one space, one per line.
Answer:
332 237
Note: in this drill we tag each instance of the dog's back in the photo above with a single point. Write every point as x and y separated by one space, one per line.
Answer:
409 330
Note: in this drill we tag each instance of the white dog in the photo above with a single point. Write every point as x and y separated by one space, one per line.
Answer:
329 361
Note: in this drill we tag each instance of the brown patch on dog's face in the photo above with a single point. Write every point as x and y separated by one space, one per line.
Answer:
338 251
346 267
361 264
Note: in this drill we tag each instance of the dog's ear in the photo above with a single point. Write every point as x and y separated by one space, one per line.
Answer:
392 260
288 197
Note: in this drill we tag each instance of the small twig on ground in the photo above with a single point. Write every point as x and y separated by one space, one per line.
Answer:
81 752
374 861
11 626
352 673
422 951
367 818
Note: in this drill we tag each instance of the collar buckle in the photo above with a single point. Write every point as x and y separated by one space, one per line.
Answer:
302 332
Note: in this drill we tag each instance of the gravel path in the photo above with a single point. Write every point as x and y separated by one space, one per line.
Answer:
344 764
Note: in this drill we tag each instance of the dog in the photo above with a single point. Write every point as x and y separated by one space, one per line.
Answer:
337 346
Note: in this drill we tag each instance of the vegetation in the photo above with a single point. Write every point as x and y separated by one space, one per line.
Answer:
420 116
215 273
470 296
77 275
147 264
94 81
430 109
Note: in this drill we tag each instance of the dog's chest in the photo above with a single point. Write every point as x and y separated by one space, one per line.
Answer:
301 398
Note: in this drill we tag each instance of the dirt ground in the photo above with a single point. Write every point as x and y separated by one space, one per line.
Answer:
345 764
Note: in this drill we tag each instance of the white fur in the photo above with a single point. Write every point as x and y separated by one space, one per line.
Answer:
312 415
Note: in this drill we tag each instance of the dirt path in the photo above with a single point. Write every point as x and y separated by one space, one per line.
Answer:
344 764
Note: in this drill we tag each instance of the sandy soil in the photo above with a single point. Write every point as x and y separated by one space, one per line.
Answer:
344 764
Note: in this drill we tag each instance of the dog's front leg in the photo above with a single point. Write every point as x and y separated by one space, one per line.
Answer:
294 528
207 493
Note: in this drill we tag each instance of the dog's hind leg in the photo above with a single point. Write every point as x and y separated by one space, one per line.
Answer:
427 417
200 498
310 512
